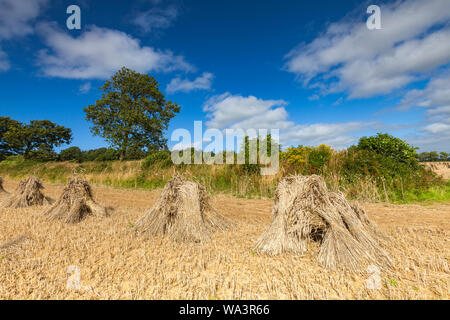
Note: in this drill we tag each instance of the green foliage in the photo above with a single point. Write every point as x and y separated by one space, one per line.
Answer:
100 154
9 144
434 156
93 154
160 158
71 154
132 112
134 154
308 160
390 147
36 139
108 155
263 148
444 156
42 154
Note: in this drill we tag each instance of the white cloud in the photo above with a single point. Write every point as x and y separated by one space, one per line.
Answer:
183 146
16 17
434 133
99 52
229 110
200 83
438 128
239 112
445 110
156 18
414 39
85 88
436 93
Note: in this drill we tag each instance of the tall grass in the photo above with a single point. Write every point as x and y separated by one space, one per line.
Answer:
342 171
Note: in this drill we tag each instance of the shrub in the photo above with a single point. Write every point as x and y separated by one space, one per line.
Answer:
308 159
162 158
108 155
71 154
134 154
42 154
100 154
388 146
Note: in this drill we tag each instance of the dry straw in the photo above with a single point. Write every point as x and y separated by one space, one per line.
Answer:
75 203
27 194
305 211
2 190
183 213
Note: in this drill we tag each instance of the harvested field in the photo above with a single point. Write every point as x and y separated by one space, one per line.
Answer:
116 263
440 168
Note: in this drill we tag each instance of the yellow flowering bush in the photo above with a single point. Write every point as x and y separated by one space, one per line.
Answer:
312 157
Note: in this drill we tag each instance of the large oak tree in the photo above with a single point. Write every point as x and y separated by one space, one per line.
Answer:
132 112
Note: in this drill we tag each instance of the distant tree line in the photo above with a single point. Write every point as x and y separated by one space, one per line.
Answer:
101 154
434 156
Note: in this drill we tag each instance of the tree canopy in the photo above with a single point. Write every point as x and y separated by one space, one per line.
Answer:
132 113
27 139
388 146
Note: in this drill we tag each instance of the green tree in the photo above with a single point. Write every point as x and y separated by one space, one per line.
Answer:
43 135
424 156
9 144
443 156
390 147
132 112
71 154
43 154
434 156
265 143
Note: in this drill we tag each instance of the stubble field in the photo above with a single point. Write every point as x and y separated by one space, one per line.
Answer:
116 263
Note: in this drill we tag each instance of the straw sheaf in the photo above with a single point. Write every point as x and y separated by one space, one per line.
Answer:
305 211
183 213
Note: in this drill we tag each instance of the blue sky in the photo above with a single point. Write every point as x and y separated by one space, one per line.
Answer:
309 68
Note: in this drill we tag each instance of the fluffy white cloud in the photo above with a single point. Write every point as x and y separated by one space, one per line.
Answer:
99 52
239 112
414 39
435 98
200 83
438 128
436 93
236 111
16 17
156 18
